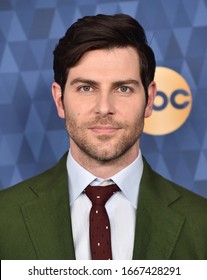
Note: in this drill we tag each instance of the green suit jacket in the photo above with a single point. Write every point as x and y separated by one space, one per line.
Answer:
35 221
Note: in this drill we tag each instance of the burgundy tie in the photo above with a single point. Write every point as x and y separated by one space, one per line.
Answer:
100 236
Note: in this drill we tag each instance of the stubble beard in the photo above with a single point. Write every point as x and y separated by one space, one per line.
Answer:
104 149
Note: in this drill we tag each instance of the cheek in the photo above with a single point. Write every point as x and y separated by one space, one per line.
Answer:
73 116
134 112
75 107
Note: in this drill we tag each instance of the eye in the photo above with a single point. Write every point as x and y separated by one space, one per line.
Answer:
85 88
124 89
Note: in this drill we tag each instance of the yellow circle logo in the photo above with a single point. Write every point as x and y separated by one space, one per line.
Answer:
172 104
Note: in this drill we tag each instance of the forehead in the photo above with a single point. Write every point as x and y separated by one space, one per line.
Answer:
115 62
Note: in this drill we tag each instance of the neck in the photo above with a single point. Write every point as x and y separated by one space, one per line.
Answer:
105 169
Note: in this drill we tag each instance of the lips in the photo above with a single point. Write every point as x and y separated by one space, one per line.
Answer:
104 129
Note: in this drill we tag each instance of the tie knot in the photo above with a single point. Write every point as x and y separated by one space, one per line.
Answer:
99 195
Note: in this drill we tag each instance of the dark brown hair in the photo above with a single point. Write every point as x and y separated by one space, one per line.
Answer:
102 32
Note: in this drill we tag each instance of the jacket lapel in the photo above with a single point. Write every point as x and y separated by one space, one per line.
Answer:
158 225
47 216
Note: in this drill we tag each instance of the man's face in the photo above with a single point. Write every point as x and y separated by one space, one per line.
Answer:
104 104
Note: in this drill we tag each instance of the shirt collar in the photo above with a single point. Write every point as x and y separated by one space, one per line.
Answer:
78 177
128 179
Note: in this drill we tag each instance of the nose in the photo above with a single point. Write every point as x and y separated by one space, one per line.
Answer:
105 104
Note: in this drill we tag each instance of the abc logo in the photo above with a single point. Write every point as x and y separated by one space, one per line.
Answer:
172 104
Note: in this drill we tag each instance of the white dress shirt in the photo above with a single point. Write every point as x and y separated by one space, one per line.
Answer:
121 208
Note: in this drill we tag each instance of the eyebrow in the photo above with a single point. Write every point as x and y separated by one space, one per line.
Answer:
114 84
82 81
126 82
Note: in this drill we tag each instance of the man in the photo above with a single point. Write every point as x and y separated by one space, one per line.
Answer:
104 89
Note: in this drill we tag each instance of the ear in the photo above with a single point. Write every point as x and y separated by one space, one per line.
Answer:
57 96
152 90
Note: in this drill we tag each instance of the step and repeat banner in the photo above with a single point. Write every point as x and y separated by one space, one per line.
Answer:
33 138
